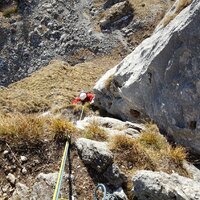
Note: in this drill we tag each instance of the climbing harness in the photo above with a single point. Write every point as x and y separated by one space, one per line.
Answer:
61 171
81 113
106 195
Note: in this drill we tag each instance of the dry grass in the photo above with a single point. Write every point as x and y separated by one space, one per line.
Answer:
23 101
10 11
61 128
142 8
151 138
77 108
74 108
150 151
130 153
182 4
94 132
177 154
108 82
179 7
56 84
21 129
73 112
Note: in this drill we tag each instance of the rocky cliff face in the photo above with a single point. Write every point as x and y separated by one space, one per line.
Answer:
160 78
73 31
43 31
161 186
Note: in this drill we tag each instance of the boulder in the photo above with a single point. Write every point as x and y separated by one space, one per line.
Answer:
119 15
120 194
150 185
21 192
160 80
44 186
111 123
192 170
94 154
11 178
114 176
23 159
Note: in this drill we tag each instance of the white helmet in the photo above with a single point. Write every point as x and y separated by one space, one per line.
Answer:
83 96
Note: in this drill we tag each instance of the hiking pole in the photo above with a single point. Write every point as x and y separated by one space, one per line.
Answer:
81 113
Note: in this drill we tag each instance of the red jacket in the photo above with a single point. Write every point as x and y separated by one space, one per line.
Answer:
89 98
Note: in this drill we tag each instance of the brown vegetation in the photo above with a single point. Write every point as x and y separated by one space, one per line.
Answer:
108 82
130 153
56 84
19 129
181 4
94 132
60 126
9 8
9 11
150 151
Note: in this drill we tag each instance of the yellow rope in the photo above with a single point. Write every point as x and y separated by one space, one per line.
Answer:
61 172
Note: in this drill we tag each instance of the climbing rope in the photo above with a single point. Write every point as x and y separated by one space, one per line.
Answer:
106 195
81 113
100 187
61 171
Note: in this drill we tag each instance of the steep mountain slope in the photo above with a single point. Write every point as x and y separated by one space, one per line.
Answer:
160 78
55 84
37 118
35 32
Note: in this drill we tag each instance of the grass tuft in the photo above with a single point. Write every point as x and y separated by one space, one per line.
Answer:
130 152
20 128
150 151
177 154
94 132
152 139
61 128
179 7
108 82
10 11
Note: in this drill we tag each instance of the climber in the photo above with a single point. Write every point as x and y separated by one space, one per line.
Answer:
84 97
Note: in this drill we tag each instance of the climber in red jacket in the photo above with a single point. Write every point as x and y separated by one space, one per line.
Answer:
83 98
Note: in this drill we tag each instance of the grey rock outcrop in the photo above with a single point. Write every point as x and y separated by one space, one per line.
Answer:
119 14
21 192
120 194
160 79
11 178
42 188
108 122
192 170
67 30
46 30
114 176
150 185
95 154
